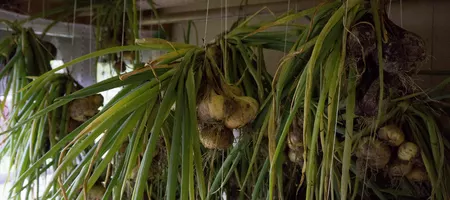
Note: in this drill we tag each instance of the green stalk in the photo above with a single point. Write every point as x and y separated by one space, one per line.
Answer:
114 181
254 155
65 113
161 44
191 171
331 82
299 90
135 144
174 158
311 170
290 17
191 96
350 115
378 30
235 154
350 108
76 177
40 79
437 150
230 171
125 106
336 17
186 150
259 182
7 68
251 69
163 112
123 132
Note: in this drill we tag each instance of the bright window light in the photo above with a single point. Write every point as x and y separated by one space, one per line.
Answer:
57 63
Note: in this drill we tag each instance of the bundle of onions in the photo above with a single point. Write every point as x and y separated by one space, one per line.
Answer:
221 106
295 141
228 108
220 113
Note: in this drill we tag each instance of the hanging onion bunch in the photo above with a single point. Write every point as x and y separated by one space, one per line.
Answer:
405 162
221 106
403 53
165 98
27 56
295 142
24 56
343 82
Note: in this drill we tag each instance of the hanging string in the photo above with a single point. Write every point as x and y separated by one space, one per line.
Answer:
140 30
286 29
90 35
123 32
73 22
43 8
206 24
226 25
226 19
140 21
73 29
389 8
401 13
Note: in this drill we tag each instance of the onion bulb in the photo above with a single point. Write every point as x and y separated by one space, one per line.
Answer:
417 175
84 108
232 90
295 140
96 192
245 111
295 136
213 108
399 168
73 124
96 101
216 137
407 151
296 156
361 168
392 134
375 152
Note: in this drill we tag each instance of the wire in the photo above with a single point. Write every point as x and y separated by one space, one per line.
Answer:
206 23
90 35
123 32
73 22
286 29
389 8
401 13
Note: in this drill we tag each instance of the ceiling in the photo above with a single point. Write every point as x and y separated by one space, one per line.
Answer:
174 10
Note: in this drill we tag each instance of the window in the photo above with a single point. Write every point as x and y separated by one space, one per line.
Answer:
105 70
